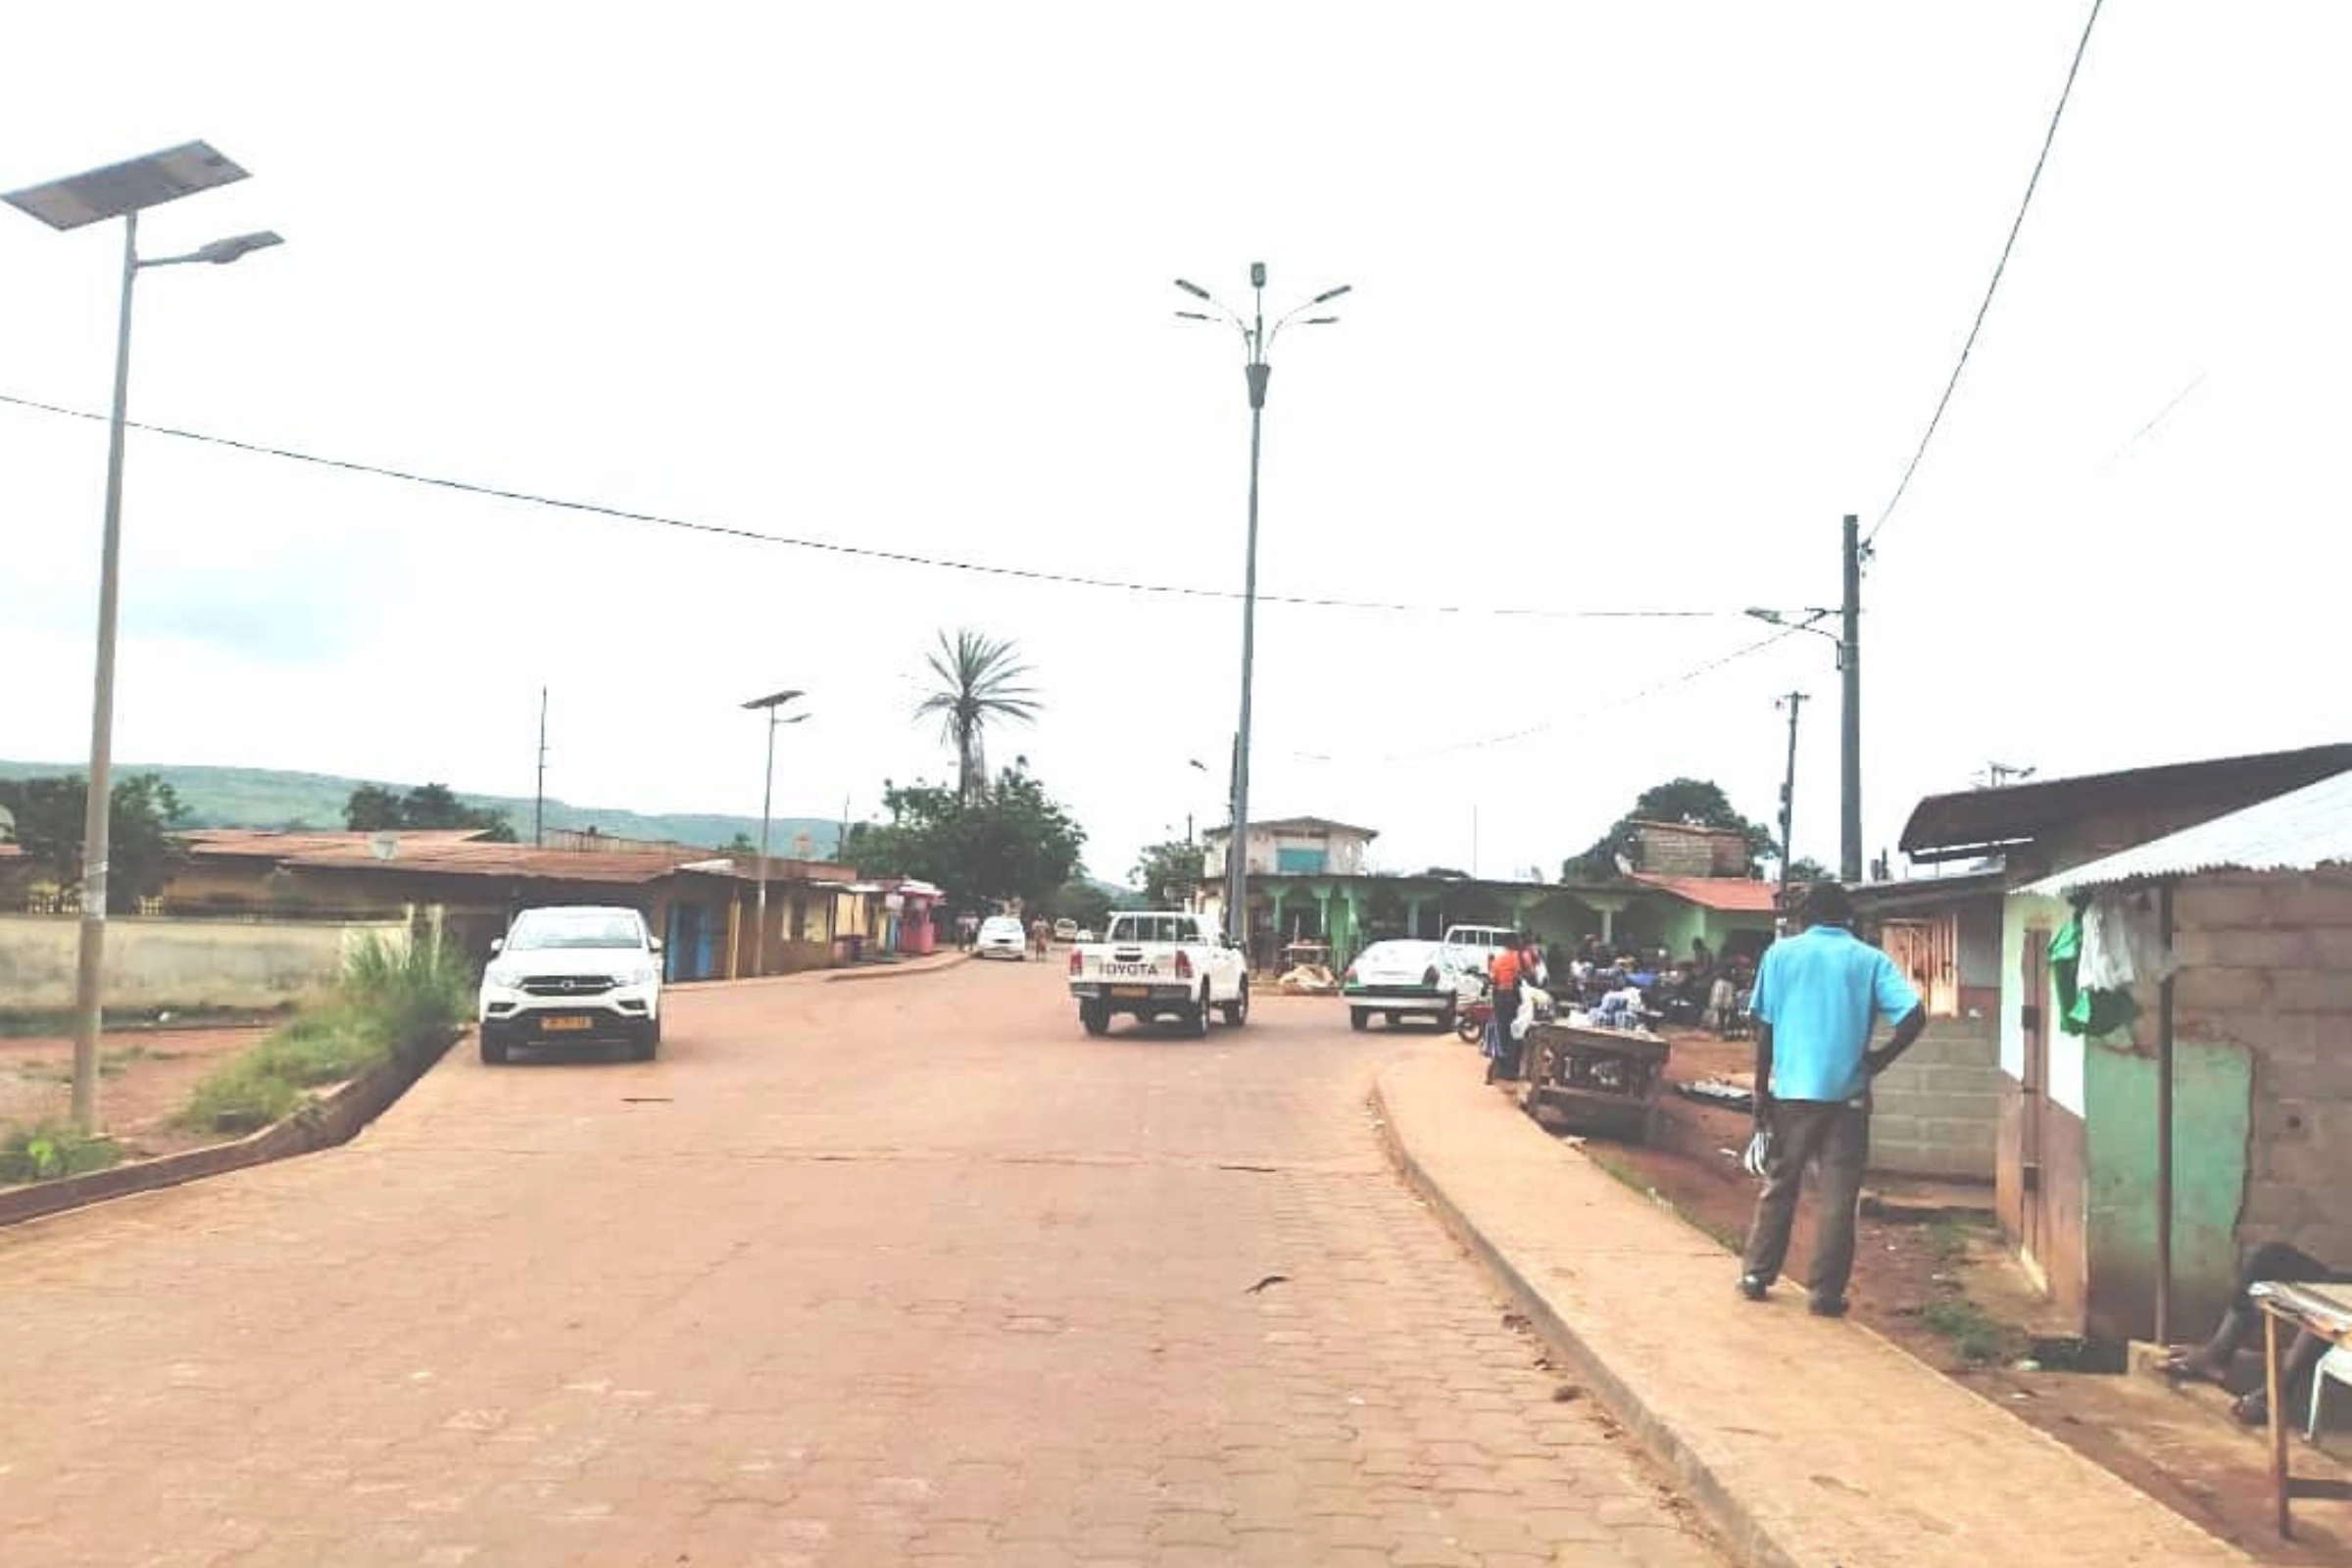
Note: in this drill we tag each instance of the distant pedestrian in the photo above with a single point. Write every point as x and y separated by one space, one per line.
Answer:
1817 998
967 931
1041 936
1502 1051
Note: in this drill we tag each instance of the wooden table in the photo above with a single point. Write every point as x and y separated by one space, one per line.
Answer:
2322 1310
1595 1079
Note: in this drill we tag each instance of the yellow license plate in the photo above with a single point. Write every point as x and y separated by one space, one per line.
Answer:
551 1026
1129 991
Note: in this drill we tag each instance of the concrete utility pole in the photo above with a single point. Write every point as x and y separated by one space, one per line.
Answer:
539 800
1256 339
1794 702
1849 663
768 792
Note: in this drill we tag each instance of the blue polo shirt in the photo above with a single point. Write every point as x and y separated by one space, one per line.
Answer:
1819 991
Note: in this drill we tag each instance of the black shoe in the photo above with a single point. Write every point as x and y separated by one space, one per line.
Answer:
1753 1286
1829 1306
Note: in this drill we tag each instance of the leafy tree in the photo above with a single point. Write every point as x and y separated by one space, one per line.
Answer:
1079 899
740 843
1805 868
1015 842
374 808
1698 802
980 681
1169 873
143 812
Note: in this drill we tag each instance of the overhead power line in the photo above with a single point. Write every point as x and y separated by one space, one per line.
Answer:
2018 223
1580 715
863 551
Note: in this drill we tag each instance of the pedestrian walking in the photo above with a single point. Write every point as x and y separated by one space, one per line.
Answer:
1502 1051
1041 936
1818 996
967 931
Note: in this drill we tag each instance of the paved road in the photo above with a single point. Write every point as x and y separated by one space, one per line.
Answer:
902 1271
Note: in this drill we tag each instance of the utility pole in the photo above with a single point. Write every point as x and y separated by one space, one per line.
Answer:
1849 663
841 845
539 800
1794 702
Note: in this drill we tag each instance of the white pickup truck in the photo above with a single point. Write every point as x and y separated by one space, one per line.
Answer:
1151 963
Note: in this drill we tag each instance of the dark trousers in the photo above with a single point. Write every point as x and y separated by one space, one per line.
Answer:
1834 1138
1506 1050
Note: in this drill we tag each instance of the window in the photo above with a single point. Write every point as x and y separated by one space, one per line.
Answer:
1300 862
1927 951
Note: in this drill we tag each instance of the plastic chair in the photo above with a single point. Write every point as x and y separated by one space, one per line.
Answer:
2336 1364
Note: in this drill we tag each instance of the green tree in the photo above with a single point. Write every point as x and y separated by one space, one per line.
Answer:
740 843
143 812
428 807
1805 868
1169 873
1015 842
980 681
1081 901
1698 802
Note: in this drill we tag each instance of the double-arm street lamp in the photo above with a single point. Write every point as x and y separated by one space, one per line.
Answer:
1849 848
1257 340
772 702
119 190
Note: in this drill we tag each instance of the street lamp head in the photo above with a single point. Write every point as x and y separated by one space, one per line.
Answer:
774 700
1773 617
1330 294
1257 275
1194 289
221 252
1320 321
1196 315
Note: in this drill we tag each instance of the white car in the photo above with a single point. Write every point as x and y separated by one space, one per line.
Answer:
1002 937
570 974
1400 980
1159 963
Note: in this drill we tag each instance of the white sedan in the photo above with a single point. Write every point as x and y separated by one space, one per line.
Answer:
1400 980
1002 937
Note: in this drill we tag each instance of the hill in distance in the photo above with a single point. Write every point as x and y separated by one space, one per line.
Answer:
265 797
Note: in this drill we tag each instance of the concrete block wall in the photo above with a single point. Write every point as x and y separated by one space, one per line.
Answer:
164 961
1937 1112
2266 964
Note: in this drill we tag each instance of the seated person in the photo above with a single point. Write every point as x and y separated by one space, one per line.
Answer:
2241 1328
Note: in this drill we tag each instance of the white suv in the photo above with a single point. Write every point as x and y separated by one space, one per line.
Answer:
574 972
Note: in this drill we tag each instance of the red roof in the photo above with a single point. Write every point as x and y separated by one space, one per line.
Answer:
1732 895
465 852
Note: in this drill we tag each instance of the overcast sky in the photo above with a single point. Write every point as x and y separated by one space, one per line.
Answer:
1645 298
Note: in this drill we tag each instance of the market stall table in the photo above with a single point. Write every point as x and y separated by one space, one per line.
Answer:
2322 1310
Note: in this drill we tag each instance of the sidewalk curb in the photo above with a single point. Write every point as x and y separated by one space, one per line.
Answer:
335 1117
1727 1515
897 971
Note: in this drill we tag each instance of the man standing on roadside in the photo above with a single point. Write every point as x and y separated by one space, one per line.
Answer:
1817 998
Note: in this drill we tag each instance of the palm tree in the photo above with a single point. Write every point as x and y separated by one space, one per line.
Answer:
980 679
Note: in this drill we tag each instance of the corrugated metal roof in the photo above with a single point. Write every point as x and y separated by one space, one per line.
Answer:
2298 831
1732 895
1969 822
271 844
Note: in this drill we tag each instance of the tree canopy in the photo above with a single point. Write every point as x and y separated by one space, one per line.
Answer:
1014 841
1698 802
374 808
143 812
1169 873
980 680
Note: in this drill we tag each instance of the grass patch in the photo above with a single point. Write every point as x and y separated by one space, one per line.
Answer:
57 1023
1949 1238
45 1150
392 1001
111 1065
1976 1335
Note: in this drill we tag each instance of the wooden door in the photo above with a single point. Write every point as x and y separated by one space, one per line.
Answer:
2033 1019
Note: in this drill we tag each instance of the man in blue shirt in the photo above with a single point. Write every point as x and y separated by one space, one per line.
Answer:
1817 998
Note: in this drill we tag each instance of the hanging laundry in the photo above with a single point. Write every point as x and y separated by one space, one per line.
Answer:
2122 945
2083 1010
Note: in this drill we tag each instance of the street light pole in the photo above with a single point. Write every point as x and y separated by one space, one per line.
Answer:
1794 702
767 793
1257 340
120 190
1849 660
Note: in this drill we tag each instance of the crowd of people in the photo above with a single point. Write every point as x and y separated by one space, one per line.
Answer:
1704 989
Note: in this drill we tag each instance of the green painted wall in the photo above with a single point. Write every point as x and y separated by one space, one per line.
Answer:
2212 1098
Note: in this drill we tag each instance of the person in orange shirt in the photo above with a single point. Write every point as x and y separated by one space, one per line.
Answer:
1503 1052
